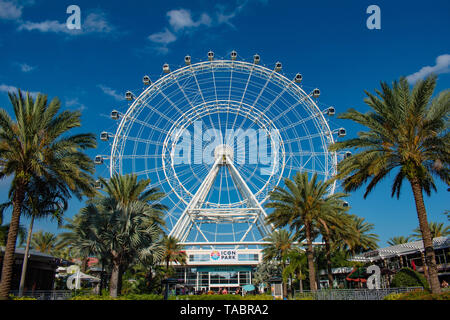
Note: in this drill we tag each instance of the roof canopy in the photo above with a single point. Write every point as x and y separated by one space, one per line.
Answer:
401 250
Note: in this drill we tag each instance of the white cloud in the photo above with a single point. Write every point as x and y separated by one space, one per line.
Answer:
111 92
24 67
182 19
10 10
8 88
164 37
95 22
442 66
75 103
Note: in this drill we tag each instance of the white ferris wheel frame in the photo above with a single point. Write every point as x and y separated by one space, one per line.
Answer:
272 76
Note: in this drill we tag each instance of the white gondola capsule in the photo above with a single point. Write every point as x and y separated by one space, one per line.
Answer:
347 154
166 68
256 59
233 55
98 185
331 111
129 96
278 66
298 78
187 60
342 132
146 80
345 204
210 56
316 93
104 136
115 115
98 160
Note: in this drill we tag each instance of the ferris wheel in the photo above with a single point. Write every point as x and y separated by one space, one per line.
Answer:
216 137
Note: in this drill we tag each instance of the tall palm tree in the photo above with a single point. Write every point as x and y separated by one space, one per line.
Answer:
38 144
173 252
280 244
398 240
408 131
42 199
437 229
299 207
4 228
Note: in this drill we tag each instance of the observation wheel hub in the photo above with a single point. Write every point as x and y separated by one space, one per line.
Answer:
224 153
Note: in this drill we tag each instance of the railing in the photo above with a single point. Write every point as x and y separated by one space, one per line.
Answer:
46 295
351 294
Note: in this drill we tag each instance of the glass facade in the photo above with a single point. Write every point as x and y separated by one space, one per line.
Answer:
210 278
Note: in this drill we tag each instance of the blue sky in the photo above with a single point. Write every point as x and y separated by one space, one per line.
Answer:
327 41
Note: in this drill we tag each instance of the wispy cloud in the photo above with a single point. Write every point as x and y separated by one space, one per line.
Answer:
442 66
95 22
25 67
111 92
10 10
164 37
8 88
183 21
75 103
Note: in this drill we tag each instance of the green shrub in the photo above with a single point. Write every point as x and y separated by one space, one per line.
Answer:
124 297
12 297
207 297
144 297
418 295
407 277
258 297
393 296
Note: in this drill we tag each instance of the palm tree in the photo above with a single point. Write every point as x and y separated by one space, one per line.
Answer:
42 199
398 240
437 229
281 243
332 224
407 131
4 229
300 206
37 144
44 242
361 240
118 230
296 265
173 252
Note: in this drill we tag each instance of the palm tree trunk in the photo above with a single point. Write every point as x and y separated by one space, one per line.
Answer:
430 259
25 258
8 259
301 281
328 258
114 280
283 266
310 257
119 282
424 267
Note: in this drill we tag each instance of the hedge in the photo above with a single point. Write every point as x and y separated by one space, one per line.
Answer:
418 295
407 277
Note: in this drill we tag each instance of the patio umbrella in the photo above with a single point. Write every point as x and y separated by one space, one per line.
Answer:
248 287
357 275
